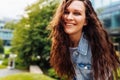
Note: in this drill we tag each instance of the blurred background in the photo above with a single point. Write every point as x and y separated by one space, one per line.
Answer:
24 42
109 13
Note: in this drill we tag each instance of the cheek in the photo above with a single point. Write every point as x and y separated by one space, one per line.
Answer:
81 20
64 17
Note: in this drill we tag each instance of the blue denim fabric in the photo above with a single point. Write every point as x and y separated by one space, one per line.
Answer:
81 58
83 46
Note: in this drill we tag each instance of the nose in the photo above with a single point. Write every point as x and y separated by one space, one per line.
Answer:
70 16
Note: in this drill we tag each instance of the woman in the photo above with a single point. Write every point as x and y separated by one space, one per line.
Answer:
81 49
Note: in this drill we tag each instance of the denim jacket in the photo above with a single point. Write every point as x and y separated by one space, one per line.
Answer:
81 59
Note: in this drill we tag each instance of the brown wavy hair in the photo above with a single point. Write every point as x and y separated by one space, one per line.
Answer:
104 59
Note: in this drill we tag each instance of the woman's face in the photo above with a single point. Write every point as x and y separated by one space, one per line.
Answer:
74 18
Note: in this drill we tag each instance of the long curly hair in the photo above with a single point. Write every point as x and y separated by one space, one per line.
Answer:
104 59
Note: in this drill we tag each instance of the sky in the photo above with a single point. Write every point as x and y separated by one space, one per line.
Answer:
13 8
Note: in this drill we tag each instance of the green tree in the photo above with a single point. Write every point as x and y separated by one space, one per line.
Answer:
30 39
1 46
10 25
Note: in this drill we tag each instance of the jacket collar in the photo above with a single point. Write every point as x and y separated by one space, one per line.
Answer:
83 45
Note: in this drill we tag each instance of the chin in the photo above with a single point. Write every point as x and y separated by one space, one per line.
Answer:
69 33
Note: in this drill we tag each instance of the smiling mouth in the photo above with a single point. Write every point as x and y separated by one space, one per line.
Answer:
69 24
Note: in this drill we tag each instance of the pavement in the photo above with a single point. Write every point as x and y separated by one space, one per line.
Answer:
35 69
5 72
9 71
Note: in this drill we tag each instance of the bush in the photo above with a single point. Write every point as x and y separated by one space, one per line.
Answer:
19 64
51 73
5 62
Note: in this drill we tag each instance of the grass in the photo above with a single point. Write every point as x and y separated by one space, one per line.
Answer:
26 76
2 66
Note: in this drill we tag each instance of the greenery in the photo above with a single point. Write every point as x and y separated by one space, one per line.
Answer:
30 36
2 66
10 25
52 73
1 46
18 64
118 73
7 50
27 76
2 56
5 62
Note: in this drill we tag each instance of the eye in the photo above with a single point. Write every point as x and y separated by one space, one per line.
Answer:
77 13
66 12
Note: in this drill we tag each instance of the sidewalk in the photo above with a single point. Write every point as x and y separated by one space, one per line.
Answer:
5 72
33 69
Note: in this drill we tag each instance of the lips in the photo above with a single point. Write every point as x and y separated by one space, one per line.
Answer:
69 24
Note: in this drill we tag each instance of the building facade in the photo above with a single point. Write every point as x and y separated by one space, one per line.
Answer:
5 34
109 13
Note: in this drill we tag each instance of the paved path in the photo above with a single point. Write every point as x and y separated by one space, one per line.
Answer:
5 72
35 69
8 71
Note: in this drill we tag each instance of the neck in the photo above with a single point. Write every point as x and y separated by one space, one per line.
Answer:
75 40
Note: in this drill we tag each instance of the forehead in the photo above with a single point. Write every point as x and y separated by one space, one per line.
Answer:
77 5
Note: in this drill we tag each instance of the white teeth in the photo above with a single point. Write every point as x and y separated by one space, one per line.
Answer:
69 24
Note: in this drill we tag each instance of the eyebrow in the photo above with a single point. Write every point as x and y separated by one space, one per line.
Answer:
78 10
74 10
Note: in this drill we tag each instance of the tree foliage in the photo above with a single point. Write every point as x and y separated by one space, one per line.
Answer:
30 39
1 46
10 25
